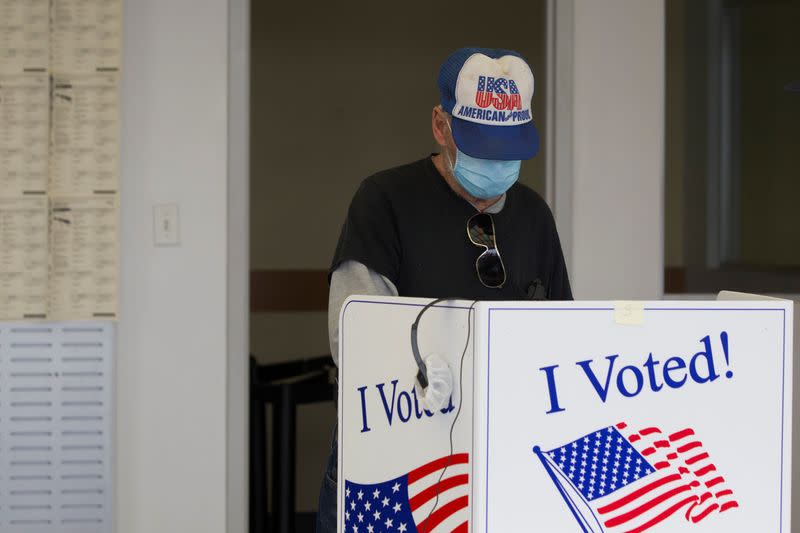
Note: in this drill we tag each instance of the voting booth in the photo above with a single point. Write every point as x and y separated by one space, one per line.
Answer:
567 416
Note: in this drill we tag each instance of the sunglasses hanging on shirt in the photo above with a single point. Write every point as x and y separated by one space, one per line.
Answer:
489 265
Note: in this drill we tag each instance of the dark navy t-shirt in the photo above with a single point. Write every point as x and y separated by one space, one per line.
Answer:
407 224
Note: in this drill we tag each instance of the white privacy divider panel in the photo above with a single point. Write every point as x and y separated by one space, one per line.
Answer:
56 424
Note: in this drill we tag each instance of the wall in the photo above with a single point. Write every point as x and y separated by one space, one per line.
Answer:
616 216
675 124
172 366
238 281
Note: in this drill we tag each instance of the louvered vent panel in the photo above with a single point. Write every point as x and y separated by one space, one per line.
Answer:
56 427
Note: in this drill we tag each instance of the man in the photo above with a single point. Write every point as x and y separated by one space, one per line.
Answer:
456 223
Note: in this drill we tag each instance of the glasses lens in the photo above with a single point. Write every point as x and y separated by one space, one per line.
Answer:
481 230
490 269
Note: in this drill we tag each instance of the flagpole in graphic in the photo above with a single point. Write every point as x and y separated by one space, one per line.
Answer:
538 451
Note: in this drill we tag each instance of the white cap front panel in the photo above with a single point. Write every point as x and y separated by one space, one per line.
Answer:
495 92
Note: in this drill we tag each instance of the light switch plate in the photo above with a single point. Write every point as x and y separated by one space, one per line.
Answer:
166 226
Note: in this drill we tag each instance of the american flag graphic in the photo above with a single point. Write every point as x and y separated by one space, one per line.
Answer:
615 479
409 503
502 93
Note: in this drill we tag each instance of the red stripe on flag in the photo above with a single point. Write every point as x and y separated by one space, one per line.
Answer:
637 493
726 492
430 493
622 425
696 458
663 516
443 513
728 505
705 512
438 464
690 446
661 444
705 470
710 509
634 438
678 435
648 451
633 513
661 465
462 528
715 481
672 456
649 431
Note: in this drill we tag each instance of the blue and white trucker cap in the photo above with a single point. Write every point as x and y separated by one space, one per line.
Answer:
488 92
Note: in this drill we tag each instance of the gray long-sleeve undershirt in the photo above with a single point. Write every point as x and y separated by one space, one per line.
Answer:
352 277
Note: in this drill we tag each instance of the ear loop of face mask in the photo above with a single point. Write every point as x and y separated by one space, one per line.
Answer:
451 165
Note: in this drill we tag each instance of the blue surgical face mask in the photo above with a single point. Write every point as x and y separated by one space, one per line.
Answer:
485 178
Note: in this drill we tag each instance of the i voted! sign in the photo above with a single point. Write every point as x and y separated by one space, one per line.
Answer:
680 423
564 419
397 469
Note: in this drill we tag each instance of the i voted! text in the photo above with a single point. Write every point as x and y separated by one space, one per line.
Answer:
609 376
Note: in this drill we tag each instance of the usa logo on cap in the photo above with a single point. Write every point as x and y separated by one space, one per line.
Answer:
488 92
501 93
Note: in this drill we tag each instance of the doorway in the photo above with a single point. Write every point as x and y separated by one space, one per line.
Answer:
340 91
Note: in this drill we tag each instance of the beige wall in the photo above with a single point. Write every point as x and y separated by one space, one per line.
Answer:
675 120
341 90
172 365
617 218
